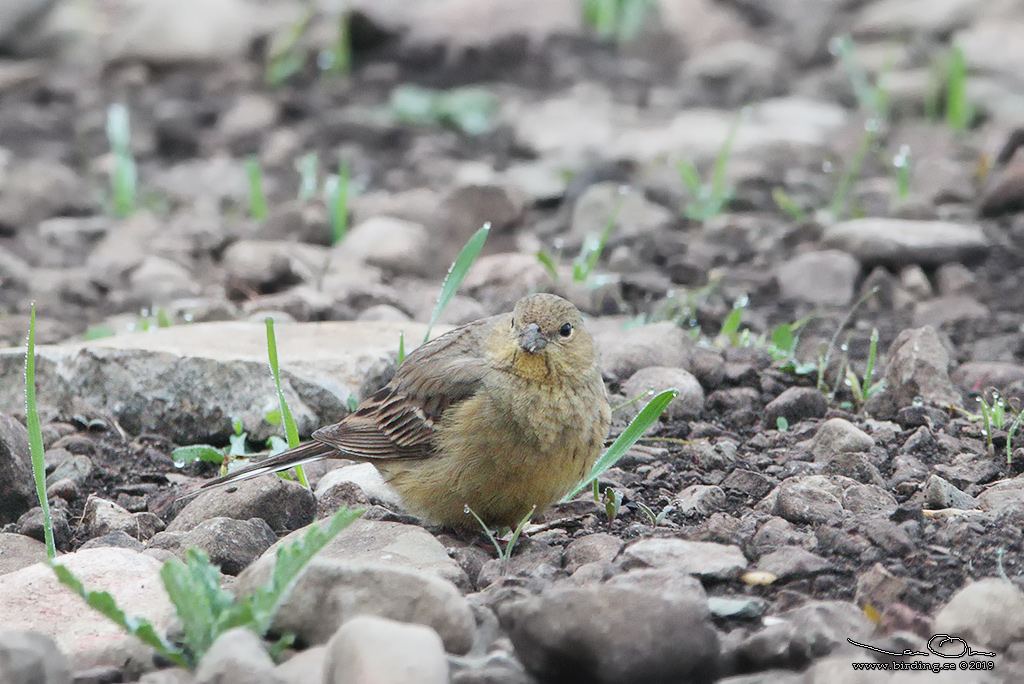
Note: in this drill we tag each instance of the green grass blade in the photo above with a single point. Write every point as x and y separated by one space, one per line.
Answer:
290 429
35 435
457 273
337 197
719 191
257 200
138 627
401 347
548 262
290 561
958 114
633 432
691 179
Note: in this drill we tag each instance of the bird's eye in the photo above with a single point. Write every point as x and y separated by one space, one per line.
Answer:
565 330
513 324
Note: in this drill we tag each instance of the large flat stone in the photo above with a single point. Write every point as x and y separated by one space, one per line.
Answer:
189 381
899 242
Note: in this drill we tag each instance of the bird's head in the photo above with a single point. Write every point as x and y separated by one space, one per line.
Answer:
545 340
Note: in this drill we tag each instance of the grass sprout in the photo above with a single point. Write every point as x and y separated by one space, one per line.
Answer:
865 388
708 200
633 432
471 111
204 609
786 203
505 554
35 435
124 174
291 431
457 273
585 263
336 194
655 518
618 21
257 200
960 111
286 58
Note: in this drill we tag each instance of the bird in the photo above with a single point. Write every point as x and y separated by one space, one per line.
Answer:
500 417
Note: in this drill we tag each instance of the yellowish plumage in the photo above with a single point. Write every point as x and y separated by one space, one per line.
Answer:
501 415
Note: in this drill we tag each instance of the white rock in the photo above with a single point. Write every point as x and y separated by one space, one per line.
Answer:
373 650
132 578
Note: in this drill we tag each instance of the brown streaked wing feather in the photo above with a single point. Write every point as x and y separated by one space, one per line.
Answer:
400 421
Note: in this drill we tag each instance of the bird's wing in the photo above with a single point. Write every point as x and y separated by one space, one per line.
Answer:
402 419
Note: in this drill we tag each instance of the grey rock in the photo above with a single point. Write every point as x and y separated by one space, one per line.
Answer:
330 592
28 658
898 242
1003 495
878 587
837 436
753 484
855 466
187 381
392 244
373 650
827 277
989 612
776 532
174 675
791 562
158 280
31 524
700 499
264 266
636 215
18 551
916 369
282 504
591 549
367 478
734 73
377 542
37 189
868 499
794 404
118 539
624 352
232 545
662 580
902 19
703 559
237 657
812 499
76 468
945 311
249 115
687 405
102 517
17 491
939 494
305 666
167 32
640 636
800 635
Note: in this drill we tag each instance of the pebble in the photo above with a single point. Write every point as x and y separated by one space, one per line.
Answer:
610 635
373 650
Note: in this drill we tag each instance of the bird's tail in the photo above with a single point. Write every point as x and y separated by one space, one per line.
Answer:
310 452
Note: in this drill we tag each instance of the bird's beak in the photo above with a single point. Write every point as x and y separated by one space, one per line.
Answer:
532 340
